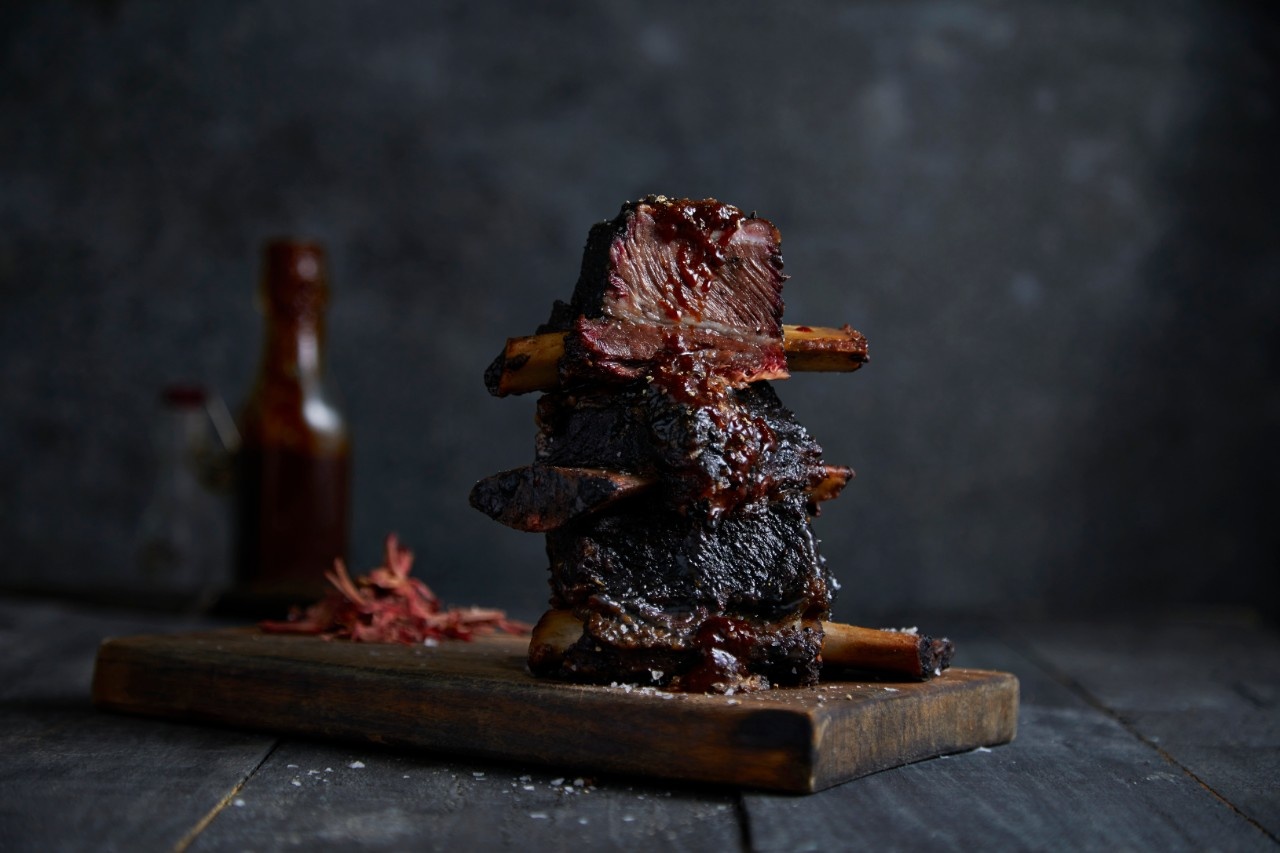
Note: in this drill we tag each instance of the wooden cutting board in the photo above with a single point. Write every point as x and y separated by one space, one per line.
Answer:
478 699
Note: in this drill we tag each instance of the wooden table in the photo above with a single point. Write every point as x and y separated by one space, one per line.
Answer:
1159 734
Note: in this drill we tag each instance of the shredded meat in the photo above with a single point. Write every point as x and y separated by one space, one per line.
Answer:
389 606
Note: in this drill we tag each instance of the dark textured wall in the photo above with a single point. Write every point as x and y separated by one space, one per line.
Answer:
1056 223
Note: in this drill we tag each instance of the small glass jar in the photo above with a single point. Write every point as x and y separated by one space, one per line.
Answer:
183 545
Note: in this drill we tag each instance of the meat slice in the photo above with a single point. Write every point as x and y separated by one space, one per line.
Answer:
621 350
676 265
532 362
665 597
667 261
540 498
710 449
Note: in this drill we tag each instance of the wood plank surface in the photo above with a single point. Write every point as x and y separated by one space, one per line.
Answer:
339 796
74 778
1207 696
1074 779
477 698
1150 750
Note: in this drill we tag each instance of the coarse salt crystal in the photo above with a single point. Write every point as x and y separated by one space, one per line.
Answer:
238 803
356 765
527 787
733 702
891 690
478 774
296 782
538 815
579 782
557 781
582 821
292 766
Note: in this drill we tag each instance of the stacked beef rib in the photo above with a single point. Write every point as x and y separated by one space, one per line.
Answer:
675 490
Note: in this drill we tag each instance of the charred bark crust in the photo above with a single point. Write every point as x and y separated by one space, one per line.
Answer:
709 578
747 437
761 562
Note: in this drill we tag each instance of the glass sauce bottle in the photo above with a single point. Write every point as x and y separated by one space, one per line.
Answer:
294 465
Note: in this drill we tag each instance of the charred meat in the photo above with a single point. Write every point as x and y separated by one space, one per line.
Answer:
674 488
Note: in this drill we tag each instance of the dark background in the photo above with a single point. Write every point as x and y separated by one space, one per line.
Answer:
1056 223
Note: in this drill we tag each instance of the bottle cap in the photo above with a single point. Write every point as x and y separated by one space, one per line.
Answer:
183 396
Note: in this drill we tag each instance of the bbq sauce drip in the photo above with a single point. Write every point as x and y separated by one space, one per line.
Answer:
720 464
700 232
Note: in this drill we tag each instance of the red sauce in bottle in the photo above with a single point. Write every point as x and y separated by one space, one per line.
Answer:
293 484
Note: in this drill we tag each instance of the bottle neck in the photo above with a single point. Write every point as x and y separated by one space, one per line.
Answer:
294 348
291 404
294 293
290 407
